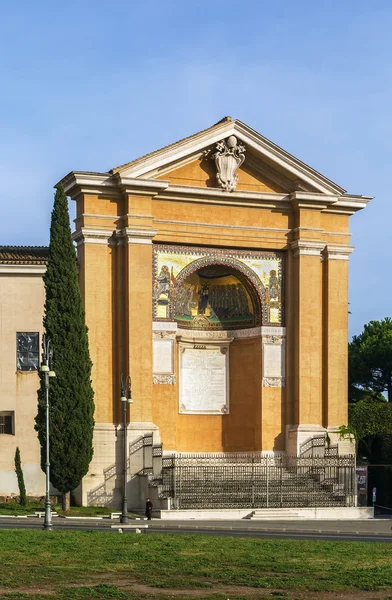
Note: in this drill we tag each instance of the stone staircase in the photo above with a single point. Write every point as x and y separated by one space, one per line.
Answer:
210 481
144 459
107 493
307 484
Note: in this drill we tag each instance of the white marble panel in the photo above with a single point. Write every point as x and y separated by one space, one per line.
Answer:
203 380
162 356
273 363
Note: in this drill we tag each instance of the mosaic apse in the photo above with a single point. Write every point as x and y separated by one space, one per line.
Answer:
216 288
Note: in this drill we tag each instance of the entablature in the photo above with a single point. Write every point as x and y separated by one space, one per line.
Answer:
115 186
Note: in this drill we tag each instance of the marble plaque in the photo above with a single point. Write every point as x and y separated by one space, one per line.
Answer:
162 356
203 380
273 364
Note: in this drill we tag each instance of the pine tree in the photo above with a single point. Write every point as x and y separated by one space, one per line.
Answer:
19 475
71 394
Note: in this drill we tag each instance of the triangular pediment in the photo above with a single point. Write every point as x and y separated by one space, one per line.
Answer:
202 173
266 168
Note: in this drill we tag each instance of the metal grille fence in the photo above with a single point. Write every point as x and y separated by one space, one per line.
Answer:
257 481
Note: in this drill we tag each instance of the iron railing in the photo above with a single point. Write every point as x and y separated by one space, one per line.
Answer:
257 481
318 446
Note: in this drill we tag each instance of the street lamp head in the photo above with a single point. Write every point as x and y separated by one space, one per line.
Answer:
125 386
52 374
44 368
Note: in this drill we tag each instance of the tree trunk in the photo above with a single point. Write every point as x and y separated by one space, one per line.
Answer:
66 501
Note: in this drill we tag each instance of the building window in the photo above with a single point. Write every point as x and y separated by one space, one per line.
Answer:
27 354
7 423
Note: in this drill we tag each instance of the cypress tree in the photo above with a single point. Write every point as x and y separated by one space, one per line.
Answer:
19 475
71 395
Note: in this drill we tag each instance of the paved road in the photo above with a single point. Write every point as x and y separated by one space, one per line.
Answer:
356 530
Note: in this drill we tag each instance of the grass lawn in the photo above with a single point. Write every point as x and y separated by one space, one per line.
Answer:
64 565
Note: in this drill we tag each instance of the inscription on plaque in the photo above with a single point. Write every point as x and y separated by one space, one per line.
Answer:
203 380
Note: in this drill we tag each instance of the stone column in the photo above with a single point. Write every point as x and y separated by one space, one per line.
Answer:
306 329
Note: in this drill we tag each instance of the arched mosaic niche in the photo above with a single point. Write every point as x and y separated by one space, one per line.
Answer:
203 288
217 294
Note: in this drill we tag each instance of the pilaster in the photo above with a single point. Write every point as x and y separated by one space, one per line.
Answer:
273 390
335 347
138 249
95 273
306 323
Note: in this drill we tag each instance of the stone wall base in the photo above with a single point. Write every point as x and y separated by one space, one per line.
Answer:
296 435
335 513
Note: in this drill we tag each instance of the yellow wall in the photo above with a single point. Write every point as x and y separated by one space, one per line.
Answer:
202 173
240 430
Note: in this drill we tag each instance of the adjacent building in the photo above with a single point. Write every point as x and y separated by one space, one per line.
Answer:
22 297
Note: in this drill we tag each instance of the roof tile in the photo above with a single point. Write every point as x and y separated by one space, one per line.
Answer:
24 255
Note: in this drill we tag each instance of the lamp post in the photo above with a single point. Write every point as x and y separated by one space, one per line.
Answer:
126 398
47 369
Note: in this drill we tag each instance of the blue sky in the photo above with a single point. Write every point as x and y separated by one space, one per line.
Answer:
88 85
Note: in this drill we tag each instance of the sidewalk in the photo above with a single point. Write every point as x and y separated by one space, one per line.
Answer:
382 526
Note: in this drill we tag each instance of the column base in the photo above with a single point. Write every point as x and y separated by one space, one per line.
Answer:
296 435
345 445
102 484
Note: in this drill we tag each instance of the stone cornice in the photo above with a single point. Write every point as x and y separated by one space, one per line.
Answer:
312 200
207 195
141 187
252 332
349 205
198 334
22 269
136 236
337 252
268 331
77 184
92 236
252 228
306 248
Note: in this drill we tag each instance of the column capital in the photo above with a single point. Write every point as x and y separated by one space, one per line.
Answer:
306 248
92 236
136 236
337 252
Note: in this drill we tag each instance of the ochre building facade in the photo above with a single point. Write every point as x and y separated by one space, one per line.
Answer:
215 273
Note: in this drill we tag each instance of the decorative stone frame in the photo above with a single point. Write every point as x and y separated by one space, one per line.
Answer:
162 374
273 356
233 259
202 343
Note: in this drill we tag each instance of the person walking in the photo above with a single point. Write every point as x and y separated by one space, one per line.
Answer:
148 508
